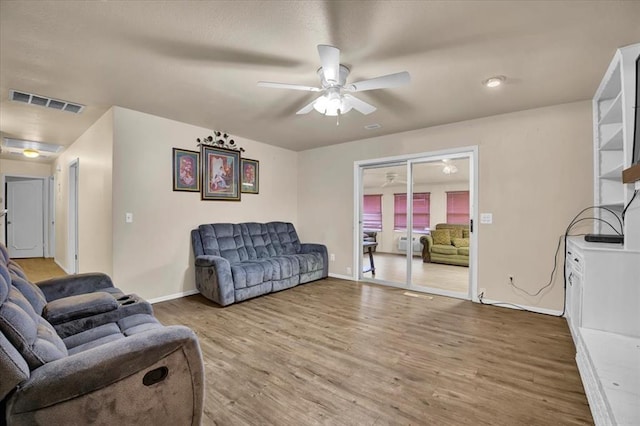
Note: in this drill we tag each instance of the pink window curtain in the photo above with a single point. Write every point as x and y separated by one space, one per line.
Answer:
372 212
421 211
458 207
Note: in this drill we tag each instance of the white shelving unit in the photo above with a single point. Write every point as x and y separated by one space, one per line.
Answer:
603 280
613 116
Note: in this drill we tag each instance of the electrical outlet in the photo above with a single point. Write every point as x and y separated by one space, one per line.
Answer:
348 270
332 257
511 279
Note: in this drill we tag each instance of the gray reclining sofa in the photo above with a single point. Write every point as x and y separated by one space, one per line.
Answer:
76 350
235 262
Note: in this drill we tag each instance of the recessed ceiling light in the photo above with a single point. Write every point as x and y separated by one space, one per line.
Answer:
31 153
494 81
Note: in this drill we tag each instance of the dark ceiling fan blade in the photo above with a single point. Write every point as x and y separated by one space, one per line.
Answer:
330 60
288 86
359 105
308 107
384 82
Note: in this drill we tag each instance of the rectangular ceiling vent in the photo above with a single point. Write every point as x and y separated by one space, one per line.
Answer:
43 101
24 144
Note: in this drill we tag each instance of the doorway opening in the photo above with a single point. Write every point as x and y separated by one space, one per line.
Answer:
414 222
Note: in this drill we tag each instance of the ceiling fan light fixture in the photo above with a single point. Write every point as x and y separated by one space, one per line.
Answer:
31 153
494 81
449 169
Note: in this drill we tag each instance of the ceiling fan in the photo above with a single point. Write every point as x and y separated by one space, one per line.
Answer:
393 178
333 79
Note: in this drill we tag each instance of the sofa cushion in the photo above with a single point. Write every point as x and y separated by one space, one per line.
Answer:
259 245
310 262
444 249
441 237
463 251
284 238
465 233
284 267
30 334
224 239
251 272
30 291
455 232
460 242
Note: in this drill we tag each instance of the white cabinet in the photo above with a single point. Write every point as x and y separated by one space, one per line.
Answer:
613 118
603 313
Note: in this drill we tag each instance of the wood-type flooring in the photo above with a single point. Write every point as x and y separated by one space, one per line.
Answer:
337 352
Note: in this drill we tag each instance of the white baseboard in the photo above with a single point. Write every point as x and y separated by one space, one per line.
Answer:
173 296
520 307
342 277
61 267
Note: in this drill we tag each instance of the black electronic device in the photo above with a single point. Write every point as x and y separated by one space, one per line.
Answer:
636 128
604 238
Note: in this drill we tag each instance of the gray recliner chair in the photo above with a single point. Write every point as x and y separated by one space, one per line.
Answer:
124 368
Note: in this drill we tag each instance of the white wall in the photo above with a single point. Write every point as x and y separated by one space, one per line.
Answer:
93 150
388 238
535 174
152 256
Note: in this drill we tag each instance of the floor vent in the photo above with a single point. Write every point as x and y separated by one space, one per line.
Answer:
43 101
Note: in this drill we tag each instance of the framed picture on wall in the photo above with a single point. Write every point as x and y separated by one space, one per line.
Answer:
220 174
186 170
250 176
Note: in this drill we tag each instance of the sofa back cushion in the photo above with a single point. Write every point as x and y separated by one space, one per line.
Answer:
30 291
33 337
441 237
257 240
224 239
284 238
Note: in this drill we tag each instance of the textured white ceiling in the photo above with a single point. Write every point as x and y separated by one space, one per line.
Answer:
198 62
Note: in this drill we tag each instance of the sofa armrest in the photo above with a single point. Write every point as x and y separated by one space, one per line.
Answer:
79 306
113 378
73 285
318 248
214 279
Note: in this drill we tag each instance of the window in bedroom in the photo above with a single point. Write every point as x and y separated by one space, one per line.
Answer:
458 207
420 211
372 212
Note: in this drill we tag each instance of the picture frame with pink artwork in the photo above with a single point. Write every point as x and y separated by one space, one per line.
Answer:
186 170
250 176
220 174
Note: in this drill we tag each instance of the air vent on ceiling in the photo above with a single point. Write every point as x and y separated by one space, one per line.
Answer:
43 101
24 144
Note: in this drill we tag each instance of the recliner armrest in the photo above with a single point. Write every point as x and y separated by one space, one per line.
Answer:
86 374
209 260
79 306
318 248
73 285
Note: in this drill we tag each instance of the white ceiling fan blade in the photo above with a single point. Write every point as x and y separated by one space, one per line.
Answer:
384 82
330 60
359 105
308 108
288 86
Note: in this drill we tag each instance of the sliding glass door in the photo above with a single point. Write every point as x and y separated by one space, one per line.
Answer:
414 218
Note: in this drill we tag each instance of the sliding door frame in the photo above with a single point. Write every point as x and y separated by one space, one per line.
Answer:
410 160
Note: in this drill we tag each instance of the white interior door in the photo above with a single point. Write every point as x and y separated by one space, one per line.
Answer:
25 219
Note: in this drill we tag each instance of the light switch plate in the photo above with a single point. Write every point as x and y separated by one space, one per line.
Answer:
486 218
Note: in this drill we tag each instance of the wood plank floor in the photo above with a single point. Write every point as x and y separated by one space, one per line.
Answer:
393 267
337 352
40 268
